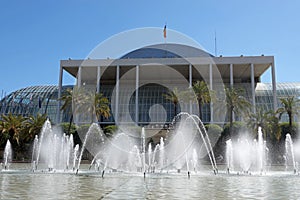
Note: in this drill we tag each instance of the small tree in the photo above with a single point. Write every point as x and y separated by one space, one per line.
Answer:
33 126
13 126
203 95
101 106
291 107
235 103
174 97
67 98
267 120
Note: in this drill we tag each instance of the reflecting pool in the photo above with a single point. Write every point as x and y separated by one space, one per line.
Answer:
23 184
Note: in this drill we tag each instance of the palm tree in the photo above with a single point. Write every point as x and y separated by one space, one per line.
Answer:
235 103
86 102
33 126
101 106
203 95
174 97
67 98
291 107
267 120
13 126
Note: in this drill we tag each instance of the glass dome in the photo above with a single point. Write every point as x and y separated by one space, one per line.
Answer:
32 100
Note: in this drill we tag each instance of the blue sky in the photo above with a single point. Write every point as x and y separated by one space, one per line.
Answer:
36 35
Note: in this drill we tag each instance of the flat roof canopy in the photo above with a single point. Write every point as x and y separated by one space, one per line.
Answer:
241 65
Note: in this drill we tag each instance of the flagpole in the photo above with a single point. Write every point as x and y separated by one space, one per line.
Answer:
215 43
165 38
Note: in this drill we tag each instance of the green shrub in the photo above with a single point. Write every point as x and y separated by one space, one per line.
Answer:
65 128
285 129
213 129
73 131
110 130
237 129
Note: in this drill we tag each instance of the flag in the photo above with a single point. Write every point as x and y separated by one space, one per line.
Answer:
165 31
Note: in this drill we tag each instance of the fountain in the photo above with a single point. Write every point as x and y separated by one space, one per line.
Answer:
245 156
53 149
125 152
7 156
184 149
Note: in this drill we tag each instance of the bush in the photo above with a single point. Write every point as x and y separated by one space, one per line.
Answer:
65 128
285 129
237 128
110 130
214 133
73 131
213 129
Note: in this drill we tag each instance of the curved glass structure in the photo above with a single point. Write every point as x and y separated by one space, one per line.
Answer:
264 95
32 100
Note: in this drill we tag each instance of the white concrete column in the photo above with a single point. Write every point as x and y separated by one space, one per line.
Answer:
137 77
274 87
191 85
231 75
211 88
58 119
117 93
98 78
253 88
79 73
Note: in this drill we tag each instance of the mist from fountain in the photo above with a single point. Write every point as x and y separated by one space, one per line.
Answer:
195 136
126 152
245 156
94 130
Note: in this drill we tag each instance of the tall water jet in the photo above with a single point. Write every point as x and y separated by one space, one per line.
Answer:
94 128
246 154
143 151
289 152
34 153
229 155
195 160
7 156
69 149
161 153
153 157
206 142
260 150
45 129
75 155
149 157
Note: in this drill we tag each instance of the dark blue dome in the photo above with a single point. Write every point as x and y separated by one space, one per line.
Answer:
167 51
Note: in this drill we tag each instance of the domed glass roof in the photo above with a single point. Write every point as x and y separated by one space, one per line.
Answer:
32 100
